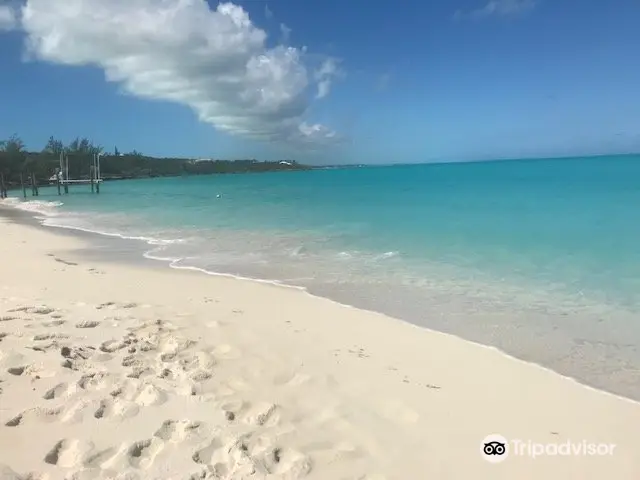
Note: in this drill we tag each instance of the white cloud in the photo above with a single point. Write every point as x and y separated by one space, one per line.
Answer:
267 12
503 8
8 20
214 61
325 75
285 33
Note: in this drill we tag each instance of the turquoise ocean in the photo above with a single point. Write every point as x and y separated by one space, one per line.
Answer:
539 258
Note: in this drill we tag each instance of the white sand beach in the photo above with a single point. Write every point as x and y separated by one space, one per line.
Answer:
115 371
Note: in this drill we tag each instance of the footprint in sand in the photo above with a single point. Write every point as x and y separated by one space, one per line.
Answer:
209 454
95 381
171 346
142 346
76 364
53 323
249 455
116 306
177 431
87 324
7 473
79 411
69 453
38 310
50 336
133 361
31 370
44 347
99 413
76 453
60 390
115 407
200 376
19 309
111 346
96 459
149 395
205 473
106 304
141 372
262 414
82 352
38 414
285 462
141 393
198 362
142 454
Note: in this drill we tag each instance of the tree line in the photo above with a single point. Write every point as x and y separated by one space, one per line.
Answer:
16 160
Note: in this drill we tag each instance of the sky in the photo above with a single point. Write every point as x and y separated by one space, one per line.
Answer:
325 81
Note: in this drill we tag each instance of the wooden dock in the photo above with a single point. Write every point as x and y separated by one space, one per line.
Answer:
81 181
62 180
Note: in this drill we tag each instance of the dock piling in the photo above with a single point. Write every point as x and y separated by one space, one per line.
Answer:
34 182
66 174
97 172
24 187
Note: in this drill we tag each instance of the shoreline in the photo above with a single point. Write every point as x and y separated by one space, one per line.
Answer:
37 220
384 398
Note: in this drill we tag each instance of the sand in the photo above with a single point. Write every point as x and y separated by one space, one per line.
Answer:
109 370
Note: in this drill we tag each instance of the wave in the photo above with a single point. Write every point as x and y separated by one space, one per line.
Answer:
42 207
386 255
50 215
149 240
175 264
366 256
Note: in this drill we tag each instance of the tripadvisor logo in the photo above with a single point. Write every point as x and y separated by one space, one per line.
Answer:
495 448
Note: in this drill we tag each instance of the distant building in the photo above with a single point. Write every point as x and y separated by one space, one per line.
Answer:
199 160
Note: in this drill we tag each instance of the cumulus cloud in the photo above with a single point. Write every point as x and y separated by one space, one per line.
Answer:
325 75
214 61
8 20
503 8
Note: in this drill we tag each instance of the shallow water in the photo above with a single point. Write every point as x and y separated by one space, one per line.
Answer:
539 258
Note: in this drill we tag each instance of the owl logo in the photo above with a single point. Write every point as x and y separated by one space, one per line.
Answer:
494 448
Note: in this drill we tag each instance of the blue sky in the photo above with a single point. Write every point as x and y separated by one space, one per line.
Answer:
418 81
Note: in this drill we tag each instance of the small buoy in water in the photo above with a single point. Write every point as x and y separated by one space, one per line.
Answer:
218 196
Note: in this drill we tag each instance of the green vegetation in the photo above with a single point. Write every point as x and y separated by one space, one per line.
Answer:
16 160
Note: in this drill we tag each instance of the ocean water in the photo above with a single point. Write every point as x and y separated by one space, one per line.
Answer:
540 258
